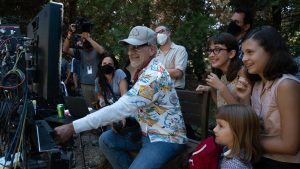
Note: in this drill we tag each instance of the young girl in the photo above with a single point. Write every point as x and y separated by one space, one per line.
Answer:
275 97
237 130
226 66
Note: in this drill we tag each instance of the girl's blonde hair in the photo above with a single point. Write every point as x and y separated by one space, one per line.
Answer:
244 124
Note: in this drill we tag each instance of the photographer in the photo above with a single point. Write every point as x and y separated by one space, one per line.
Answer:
88 57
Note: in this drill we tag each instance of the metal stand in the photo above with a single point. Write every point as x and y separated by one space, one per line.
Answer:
82 151
80 139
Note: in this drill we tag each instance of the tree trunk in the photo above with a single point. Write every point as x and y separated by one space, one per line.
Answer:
276 16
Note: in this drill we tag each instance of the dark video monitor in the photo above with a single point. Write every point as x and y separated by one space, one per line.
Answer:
45 30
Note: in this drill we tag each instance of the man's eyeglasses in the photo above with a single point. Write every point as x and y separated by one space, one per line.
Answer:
216 51
137 47
161 31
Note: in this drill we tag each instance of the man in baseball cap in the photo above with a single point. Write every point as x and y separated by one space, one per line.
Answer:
152 101
141 44
140 35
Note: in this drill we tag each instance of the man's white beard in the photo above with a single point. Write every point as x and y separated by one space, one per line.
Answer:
134 64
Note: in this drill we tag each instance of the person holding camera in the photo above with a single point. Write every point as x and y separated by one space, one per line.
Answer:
88 57
152 101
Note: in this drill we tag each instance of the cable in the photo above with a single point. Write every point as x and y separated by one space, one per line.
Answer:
13 87
13 143
22 133
8 40
15 71
17 134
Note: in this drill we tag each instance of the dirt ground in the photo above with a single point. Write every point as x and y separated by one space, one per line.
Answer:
94 159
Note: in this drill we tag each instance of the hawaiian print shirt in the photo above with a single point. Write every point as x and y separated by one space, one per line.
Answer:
152 101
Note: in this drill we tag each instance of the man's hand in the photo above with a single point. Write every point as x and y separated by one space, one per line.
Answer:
85 35
63 133
72 28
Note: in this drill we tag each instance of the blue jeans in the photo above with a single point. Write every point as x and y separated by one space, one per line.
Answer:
151 155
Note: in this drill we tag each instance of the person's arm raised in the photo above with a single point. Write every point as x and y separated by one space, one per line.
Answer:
99 49
213 81
66 45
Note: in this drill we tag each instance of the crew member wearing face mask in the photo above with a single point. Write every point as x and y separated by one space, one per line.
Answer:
110 83
174 57
240 24
88 57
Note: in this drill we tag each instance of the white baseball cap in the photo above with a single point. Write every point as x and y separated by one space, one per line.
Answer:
140 35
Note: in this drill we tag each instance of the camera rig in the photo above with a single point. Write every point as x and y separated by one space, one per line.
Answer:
82 25
26 139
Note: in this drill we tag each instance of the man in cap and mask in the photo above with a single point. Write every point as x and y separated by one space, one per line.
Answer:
152 101
240 25
88 57
174 57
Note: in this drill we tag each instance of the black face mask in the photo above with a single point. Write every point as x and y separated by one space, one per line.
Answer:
234 29
87 45
107 69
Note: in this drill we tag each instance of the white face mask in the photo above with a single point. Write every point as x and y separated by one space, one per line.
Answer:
162 38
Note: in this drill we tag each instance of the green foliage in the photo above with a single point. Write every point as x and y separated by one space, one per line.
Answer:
19 12
282 14
193 35
113 21
191 21
188 19
191 25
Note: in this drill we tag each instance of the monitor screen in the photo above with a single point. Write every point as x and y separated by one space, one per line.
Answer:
45 30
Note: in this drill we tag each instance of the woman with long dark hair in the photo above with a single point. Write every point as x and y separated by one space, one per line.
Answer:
111 81
275 97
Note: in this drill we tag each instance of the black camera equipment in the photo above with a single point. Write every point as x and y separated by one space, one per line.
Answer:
26 139
82 25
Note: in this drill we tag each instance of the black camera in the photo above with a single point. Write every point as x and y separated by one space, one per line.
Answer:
82 25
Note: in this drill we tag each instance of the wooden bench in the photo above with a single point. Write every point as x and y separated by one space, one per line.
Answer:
195 110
